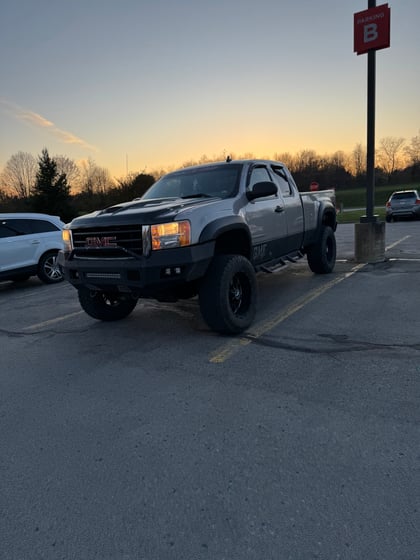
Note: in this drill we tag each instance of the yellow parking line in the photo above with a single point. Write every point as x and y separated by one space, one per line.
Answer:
227 350
53 321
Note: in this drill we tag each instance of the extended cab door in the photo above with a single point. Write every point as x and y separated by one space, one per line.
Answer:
266 219
293 208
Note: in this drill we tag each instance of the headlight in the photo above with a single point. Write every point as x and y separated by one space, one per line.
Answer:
68 240
168 236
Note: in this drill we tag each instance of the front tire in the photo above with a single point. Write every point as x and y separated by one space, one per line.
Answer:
321 256
228 294
49 270
106 306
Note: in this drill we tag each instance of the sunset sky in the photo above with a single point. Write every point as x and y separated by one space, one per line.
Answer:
144 84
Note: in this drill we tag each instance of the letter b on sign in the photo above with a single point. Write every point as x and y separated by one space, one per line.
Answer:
372 29
370 33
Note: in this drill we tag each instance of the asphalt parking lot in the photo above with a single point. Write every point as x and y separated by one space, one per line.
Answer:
154 438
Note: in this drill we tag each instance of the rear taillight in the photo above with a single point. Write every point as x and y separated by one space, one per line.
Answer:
418 201
388 204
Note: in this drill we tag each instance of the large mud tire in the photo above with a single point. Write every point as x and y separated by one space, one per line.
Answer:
228 294
321 256
106 306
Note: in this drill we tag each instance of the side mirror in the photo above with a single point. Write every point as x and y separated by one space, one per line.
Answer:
259 190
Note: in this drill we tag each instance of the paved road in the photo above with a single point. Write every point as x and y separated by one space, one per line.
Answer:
154 438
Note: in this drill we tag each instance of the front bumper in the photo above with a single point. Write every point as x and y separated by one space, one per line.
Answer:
146 276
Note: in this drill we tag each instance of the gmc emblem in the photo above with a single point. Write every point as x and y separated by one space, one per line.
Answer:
101 241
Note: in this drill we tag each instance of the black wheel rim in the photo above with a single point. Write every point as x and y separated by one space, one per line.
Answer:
329 249
111 301
239 294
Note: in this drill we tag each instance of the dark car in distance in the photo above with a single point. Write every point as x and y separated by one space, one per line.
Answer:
403 204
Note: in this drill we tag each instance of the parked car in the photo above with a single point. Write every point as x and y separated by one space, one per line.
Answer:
29 244
403 204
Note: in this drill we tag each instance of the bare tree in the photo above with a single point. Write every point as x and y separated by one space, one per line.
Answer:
87 168
247 155
358 160
338 159
102 180
204 159
160 172
389 154
70 169
413 150
18 175
285 158
306 159
95 179
189 163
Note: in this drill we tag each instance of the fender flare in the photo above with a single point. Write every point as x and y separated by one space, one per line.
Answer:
224 225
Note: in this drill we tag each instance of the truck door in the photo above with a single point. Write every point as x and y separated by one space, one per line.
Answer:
266 220
293 208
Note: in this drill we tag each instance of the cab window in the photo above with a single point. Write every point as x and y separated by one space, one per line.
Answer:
282 182
258 174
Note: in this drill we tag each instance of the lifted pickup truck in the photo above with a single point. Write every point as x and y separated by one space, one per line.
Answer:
204 230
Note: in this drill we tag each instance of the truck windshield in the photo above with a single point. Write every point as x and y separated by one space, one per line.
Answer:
217 181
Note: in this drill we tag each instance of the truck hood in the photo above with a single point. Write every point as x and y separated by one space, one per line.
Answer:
142 211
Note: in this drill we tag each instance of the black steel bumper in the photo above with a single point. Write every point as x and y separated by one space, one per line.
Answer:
143 275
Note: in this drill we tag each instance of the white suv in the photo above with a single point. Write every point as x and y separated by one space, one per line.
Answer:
29 244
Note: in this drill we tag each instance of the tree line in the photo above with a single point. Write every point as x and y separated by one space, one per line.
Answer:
58 185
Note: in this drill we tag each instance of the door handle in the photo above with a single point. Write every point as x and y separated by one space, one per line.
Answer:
278 209
35 242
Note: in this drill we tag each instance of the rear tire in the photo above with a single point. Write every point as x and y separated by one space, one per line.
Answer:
106 306
228 294
321 256
49 270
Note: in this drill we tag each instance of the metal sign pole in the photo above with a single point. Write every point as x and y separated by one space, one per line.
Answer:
370 157
371 32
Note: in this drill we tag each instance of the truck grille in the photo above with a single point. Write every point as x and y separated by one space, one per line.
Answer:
108 242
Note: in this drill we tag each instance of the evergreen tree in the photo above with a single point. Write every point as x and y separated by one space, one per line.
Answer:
51 193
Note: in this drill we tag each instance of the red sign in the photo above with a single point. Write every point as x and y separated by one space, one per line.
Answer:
372 29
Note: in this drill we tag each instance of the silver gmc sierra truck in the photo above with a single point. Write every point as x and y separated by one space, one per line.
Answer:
205 230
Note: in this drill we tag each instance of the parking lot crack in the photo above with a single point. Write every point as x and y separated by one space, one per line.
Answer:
27 333
341 344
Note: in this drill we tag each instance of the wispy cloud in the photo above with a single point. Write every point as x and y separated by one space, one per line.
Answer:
36 120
